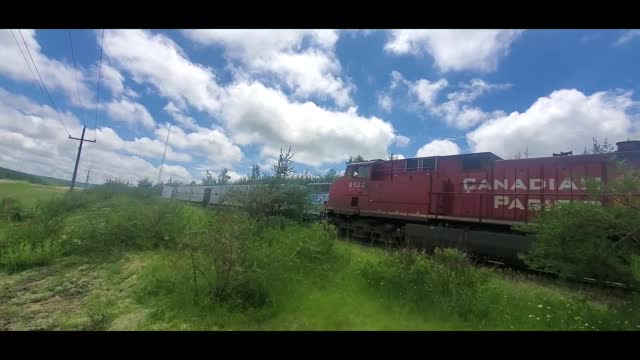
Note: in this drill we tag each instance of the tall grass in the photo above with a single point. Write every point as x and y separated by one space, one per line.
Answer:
104 219
447 282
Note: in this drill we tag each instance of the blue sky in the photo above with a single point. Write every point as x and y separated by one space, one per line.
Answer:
235 97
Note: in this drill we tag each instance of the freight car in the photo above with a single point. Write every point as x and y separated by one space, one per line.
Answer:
216 195
467 201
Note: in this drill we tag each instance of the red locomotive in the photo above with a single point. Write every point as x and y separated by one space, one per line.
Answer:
468 201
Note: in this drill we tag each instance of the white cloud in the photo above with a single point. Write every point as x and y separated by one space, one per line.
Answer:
384 101
455 50
57 75
255 114
159 61
565 120
211 144
178 114
402 141
398 156
311 70
627 36
439 148
427 91
109 140
130 112
32 140
457 111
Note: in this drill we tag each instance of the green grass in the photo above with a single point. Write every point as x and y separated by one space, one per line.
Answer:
28 194
125 261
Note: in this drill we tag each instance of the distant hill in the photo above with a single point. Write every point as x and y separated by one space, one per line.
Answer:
35 179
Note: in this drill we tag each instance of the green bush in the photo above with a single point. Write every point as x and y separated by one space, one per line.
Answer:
579 239
589 240
12 209
290 201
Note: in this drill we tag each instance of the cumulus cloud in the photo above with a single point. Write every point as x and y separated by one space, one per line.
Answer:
178 114
212 145
455 50
439 147
159 61
304 60
457 111
565 120
32 140
255 114
57 75
130 112
145 147
426 91
402 141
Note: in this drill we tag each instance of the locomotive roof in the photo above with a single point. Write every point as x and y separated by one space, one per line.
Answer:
486 155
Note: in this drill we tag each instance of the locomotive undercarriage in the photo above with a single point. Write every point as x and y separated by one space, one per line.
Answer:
481 242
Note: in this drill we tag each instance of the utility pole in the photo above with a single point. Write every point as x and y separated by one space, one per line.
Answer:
86 182
75 169
163 155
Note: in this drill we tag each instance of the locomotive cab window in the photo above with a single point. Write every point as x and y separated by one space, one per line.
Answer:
412 164
428 164
362 172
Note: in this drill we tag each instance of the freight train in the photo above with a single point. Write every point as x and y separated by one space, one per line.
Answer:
216 195
467 201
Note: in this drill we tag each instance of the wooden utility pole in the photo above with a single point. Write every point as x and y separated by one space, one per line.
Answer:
163 155
86 182
75 169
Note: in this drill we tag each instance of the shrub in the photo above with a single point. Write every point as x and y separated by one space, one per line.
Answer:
290 201
588 240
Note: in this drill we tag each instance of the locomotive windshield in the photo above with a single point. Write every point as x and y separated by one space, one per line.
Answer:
360 172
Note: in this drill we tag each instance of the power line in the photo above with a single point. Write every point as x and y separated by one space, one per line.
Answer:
75 70
26 61
99 78
43 84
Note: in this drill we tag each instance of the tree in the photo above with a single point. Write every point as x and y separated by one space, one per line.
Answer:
284 167
208 179
255 172
145 183
355 159
223 177
331 175
194 183
605 147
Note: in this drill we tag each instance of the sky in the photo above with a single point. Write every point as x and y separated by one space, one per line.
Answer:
234 98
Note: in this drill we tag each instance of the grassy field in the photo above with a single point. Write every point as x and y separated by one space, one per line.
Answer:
28 193
115 271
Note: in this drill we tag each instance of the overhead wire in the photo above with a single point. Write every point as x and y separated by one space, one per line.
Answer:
99 79
75 70
44 87
43 84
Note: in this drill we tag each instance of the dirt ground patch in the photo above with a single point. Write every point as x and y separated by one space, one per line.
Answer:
69 295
